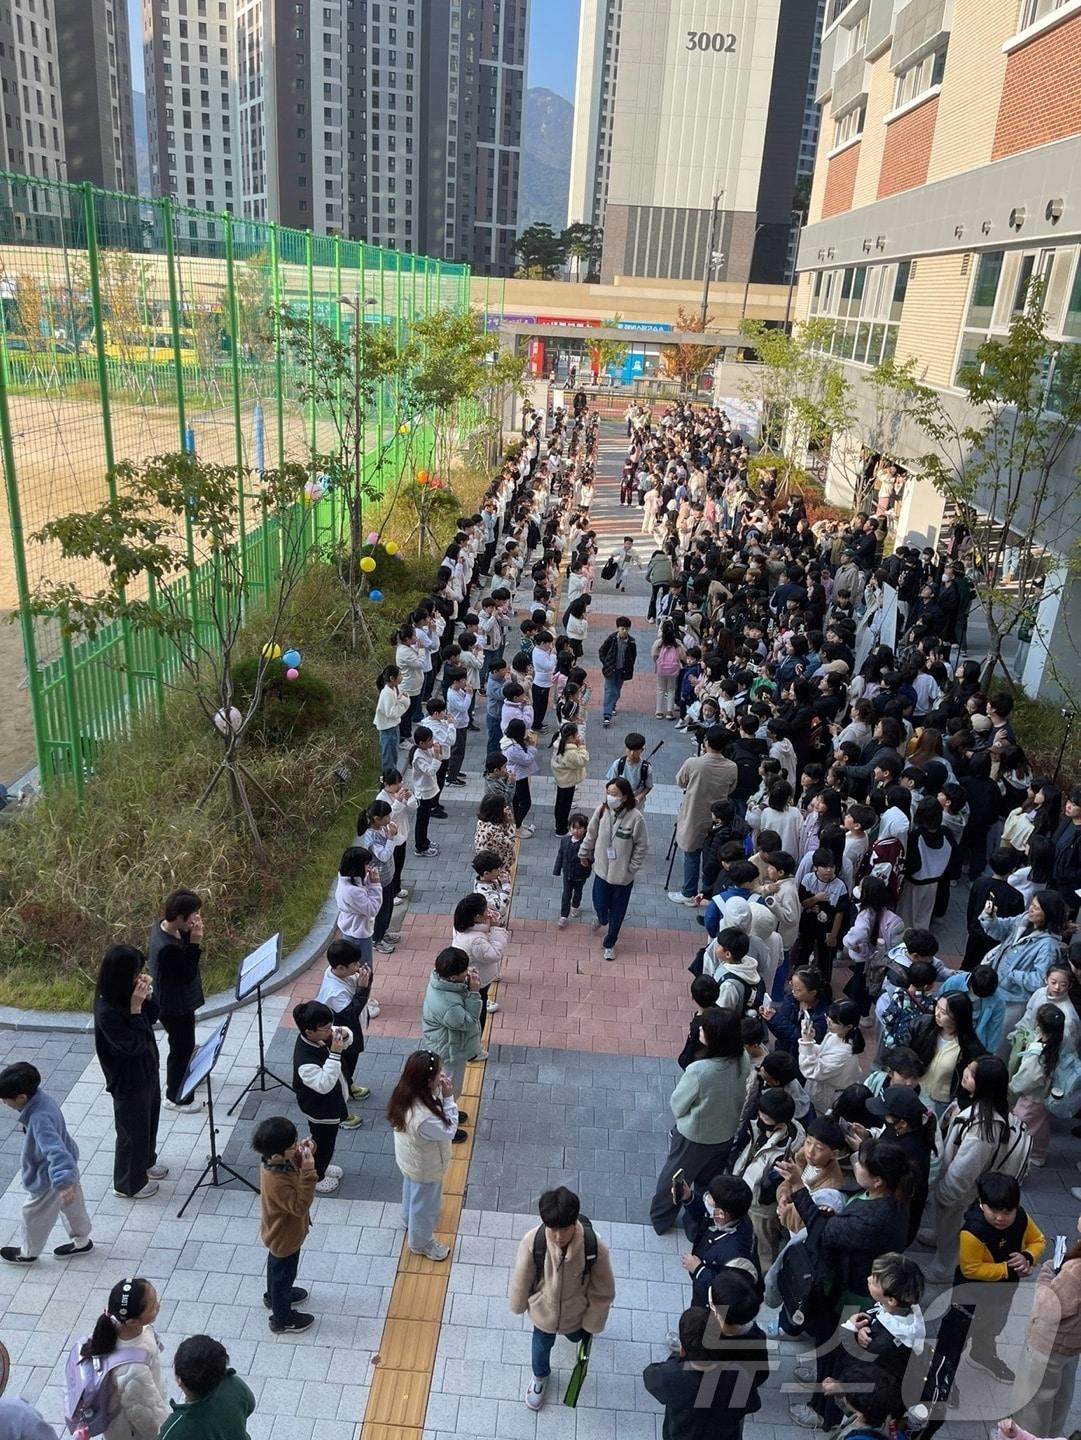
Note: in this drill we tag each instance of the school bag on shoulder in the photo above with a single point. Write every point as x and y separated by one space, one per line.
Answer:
753 995
668 661
1014 1152
540 1250
885 859
91 1402
621 770
1065 1086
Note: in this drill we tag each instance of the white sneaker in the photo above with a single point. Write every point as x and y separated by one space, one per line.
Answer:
534 1395
190 1108
373 1009
609 953
434 1250
335 1172
576 910
493 1006
327 1185
158 1172
150 1188
677 897
561 923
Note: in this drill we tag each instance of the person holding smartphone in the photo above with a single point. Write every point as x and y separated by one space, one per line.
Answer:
423 1114
173 956
124 1016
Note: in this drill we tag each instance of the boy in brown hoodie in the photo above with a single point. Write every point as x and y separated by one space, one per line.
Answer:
286 1189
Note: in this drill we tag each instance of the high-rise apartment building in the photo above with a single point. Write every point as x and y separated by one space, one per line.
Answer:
677 104
32 114
948 178
95 84
190 101
393 121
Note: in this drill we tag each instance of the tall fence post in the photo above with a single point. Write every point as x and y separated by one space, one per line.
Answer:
276 330
238 428
22 583
168 217
94 265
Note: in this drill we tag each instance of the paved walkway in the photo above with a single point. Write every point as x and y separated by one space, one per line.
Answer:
575 1092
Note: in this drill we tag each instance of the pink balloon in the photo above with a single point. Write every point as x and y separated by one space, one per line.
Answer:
373 538
292 674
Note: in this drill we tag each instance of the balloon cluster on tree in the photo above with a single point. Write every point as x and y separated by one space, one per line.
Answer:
314 490
290 659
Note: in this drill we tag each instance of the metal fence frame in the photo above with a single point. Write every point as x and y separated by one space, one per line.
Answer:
148 319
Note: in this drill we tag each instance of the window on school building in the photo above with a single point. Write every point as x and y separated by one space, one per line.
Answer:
865 303
1034 10
1006 283
850 126
917 79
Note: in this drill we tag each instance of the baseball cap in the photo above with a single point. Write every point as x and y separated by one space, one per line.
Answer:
899 1102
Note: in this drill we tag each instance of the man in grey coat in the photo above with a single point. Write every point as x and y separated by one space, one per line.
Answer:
703 779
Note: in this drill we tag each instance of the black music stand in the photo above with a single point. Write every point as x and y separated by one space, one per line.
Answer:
255 970
199 1072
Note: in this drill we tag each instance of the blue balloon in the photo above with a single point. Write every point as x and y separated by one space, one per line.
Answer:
291 659
375 596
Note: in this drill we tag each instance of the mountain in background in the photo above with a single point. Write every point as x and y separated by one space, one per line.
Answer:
142 142
547 120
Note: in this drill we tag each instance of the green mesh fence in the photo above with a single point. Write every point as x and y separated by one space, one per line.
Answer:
129 328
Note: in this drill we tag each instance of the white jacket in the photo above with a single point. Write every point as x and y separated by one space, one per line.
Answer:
358 904
410 661
424 768
422 1150
402 814
828 1067
485 945
390 707
144 1401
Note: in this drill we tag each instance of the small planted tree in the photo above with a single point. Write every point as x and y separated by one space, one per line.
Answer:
687 362
1000 461
173 522
541 250
788 381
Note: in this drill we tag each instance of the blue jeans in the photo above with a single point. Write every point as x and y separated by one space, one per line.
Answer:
692 867
421 1201
410 718
613 685
494 734
610 902
541 1356
388 748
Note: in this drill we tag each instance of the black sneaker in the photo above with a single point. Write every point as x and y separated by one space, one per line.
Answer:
429 854
458 780
459 1137
438 813
70 1249
463 1116
14 1256
297 1322
993 1365
296 1295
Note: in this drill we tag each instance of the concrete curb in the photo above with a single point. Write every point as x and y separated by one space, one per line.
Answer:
294 964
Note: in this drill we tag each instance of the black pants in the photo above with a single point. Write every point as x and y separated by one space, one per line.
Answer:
383 914
399 866
572 896
540 704
135 1114
441 779
564 802
654 595
281 1274
181 1032
325 1137
420 833
523 800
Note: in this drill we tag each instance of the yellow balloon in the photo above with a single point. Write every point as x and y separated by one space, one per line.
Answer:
391 547
272 652
367 564
404 429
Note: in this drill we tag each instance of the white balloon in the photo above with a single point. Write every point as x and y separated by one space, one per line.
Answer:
231 721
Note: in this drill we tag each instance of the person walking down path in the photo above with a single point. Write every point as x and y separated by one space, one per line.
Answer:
616 846
49 1166
563 1280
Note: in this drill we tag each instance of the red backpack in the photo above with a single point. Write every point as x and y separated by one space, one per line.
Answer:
886 859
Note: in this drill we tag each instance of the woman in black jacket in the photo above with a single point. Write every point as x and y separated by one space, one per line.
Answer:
1066 876
173 962
124 1016
872 1223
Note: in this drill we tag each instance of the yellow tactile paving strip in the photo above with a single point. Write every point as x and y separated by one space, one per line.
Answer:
398 1398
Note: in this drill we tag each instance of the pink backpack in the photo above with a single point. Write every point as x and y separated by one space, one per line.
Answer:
668 662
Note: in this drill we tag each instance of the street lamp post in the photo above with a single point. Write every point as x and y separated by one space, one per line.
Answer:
711 259
799 216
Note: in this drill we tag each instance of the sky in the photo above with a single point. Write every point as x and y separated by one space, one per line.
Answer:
553 44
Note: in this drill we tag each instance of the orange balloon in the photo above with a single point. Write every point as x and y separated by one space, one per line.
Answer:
422 477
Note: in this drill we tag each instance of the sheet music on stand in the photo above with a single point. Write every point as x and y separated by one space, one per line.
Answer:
258 967
204 1060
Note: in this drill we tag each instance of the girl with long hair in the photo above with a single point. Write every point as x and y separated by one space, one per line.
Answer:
1034 1075
668 657
124 1017
519 745
478 932
875 931
424 763
1026 950
390 709
830 1065
576 624
570 760
945 1042
424 1115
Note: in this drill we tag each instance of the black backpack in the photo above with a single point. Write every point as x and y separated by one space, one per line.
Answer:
540 1250
799 1269
608 569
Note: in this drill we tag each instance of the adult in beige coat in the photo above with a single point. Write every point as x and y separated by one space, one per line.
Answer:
615 845
570 1297
703 779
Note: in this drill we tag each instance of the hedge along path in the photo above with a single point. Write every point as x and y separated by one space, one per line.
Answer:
398 1398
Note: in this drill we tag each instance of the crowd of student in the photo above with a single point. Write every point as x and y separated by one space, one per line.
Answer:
845 1098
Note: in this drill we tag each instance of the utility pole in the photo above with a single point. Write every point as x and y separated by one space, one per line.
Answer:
747 286
710 256
798 217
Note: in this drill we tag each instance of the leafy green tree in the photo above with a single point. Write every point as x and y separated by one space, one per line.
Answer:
174 521
583 244
1003 461
540 248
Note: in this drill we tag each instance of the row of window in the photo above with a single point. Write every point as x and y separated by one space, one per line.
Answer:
865 302
1002 288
